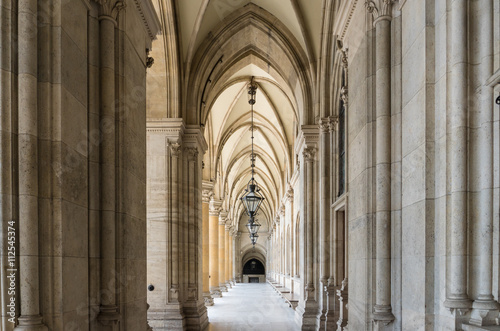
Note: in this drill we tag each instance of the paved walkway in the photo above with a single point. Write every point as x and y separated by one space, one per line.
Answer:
251 307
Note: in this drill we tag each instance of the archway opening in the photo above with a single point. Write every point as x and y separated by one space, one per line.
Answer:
254 272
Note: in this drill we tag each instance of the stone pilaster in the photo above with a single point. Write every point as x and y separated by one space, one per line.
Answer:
237 260
226 253
457 299
207 194
30 318
165 215
194 308
214 247
108 12
382 15
484 308
324 216
222 251
307 309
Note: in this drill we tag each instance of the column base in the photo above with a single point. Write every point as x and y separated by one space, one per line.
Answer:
382 317
306 313
169 318
484 313
229 285
196 316
109 318
31 323
215 292
209 301
459 303
223 288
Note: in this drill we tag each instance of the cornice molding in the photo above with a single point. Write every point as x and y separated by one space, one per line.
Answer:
308 137
345 14
149 17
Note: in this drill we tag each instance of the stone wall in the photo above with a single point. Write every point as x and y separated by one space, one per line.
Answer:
434 240
73 161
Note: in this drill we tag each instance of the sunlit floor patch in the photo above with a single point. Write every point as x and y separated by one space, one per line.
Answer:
251 307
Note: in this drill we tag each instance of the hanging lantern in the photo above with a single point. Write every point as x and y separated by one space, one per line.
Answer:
253 226
252 199
253 238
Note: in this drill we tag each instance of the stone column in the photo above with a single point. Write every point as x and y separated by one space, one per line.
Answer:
207 195
484 307
456 292
30 318
324 216
194 308
309 154
382 14
222 251
231 257
237 253
226 254
214 247
108 315
175 151
307 310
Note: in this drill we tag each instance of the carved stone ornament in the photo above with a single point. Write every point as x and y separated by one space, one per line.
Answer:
110 8
309 153
334 121
324 125
344 51
289 194
206 195
175 149
192 153
380 9
344 94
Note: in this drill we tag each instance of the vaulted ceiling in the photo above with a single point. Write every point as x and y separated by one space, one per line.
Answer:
222 45
197 18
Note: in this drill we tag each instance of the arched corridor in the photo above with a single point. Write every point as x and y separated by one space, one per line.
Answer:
171 165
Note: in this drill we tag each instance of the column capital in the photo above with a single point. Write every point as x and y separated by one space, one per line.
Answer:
192 153
207 195
309 154
109 9
380 9
324 125
215 207
334 121
222 217
175 148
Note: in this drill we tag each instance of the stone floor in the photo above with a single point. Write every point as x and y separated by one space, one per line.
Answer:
251 307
